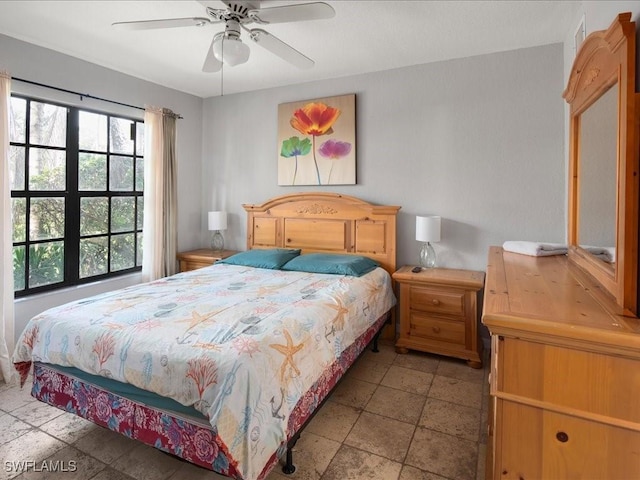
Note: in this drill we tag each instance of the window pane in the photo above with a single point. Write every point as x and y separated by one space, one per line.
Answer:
120 136
48 125
139 138
121 174
16 167
122 214
47 169
122 251
19 218
92 131
140 213
93 256
46 263
139 251
139 174
46 219
18 268
94 215
92 172
18 120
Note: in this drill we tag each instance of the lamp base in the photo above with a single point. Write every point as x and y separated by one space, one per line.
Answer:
217 241
427 255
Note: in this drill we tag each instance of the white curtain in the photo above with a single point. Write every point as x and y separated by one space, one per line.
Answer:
6 233
160 195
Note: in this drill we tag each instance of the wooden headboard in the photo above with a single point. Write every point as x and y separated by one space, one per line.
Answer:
325 222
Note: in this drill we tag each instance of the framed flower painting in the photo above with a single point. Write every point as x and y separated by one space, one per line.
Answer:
317 141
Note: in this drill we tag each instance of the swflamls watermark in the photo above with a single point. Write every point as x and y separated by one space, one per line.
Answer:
42 466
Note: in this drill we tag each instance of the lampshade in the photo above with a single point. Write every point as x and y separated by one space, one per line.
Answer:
230 50
217 220
428 228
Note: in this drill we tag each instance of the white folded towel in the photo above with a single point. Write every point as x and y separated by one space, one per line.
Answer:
607 254
535 249
599 250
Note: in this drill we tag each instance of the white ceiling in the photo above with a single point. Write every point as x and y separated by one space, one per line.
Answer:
364 36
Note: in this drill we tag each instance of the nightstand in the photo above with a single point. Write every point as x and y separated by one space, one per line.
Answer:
202 257
439 312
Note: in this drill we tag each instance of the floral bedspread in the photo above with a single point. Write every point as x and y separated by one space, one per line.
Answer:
242 345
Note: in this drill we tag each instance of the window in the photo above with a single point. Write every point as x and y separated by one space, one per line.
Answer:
77 194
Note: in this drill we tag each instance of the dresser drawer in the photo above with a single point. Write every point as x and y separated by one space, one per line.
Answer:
437 301
442 330
599 384
539 444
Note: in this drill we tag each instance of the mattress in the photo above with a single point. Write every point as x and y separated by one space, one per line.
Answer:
131 392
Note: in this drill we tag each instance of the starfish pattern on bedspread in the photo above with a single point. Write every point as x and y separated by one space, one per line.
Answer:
341 311
288 350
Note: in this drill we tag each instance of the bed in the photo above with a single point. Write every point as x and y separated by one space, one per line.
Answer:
225 365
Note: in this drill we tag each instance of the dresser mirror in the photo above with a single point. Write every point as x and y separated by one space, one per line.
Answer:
598 180
603 162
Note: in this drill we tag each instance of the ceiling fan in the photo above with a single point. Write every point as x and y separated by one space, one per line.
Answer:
226 46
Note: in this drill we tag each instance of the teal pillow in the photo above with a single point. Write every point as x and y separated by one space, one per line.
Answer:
272 258
353 265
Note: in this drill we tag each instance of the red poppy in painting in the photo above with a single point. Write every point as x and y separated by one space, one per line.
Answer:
314 119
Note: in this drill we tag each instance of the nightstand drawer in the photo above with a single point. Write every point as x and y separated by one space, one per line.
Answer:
437 301
425 326
203 257
186 266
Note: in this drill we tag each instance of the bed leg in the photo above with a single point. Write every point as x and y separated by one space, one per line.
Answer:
375 349
377 336
289 467
375 343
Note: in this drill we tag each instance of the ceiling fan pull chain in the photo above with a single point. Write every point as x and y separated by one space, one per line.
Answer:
222 72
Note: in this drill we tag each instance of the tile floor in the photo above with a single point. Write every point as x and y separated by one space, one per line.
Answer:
404 417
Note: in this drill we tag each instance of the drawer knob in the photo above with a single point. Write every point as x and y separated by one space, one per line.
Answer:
436 329
562 437
435 301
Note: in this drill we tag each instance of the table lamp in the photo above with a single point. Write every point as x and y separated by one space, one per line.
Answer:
428 231
217 222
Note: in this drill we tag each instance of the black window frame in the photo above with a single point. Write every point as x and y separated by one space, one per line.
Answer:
72 195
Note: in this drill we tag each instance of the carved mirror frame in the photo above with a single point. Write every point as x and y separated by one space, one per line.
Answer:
606 60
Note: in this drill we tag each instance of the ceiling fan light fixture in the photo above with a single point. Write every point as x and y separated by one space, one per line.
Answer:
231 51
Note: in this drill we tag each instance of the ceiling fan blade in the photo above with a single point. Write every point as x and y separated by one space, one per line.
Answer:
211 63
215 4
164 23
281 49
293 13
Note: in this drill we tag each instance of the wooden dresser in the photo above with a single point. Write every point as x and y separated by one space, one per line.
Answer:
565 374
439 312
